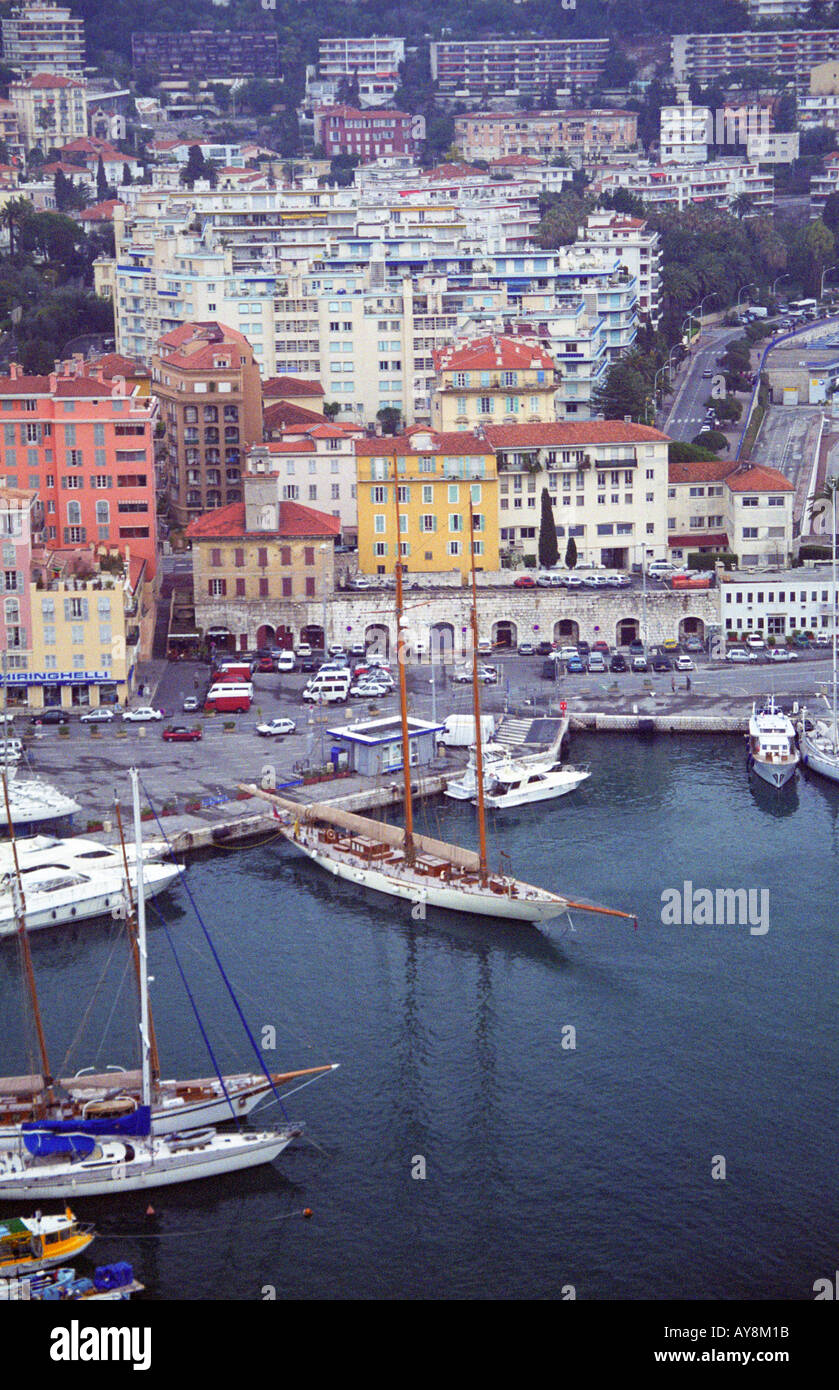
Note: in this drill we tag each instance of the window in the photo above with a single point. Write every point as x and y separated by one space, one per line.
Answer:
217 588
454 547
240 588
310 586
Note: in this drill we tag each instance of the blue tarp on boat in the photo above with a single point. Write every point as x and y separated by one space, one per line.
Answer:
42 1144
137 1123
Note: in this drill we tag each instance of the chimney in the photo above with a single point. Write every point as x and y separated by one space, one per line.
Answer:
14 371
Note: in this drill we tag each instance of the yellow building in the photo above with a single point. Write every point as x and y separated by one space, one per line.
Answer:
438 473
493 381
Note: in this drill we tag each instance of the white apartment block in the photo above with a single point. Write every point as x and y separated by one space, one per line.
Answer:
684 134
721 506
775 147
585 134
317 468
776 602
777 9
348 57
164 275
718 183
607 481
822 185
607 287
820 108
44 37
638 249
781 52
51 110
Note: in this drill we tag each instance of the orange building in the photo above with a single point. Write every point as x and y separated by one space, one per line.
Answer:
84 444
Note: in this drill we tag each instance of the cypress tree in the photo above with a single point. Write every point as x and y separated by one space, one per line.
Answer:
571 553
548 549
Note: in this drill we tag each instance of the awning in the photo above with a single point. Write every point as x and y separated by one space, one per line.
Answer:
706 540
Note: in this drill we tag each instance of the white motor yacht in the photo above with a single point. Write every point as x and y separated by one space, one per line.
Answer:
772 754
518 784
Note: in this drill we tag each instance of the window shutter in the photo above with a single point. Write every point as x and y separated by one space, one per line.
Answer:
67 610
22 433
85 609
434 522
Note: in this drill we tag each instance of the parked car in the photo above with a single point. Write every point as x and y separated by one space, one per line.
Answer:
799 640
488 674
601 647
285 661
639 663
307 663
51 716
822 639
142 714
191 704
337 649
741 654
524 581
274 727
756 643
636 648
98 716
618 663
684 663
544 648
525 648
596 664
303 649
583 648
358 649
575 666
670 645
462 675
781 654
484 647
693 644
179 733
266 663
662 663
370 690
567 653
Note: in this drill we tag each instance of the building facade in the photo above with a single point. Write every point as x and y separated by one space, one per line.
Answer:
315 466
716 506
367 134
781 52
44 37
638 249
439 475
51 110
84 444
579 134
351 57
775 603
516 67
208 55
206 380
493 380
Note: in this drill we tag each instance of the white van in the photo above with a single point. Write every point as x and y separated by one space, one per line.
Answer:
458 730
285 661
328 688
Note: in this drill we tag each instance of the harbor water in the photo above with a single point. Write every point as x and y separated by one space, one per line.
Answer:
518 1112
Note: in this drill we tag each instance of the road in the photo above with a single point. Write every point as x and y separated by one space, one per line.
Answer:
686 416
788 440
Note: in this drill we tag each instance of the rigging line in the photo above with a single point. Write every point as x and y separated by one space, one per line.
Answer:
76 1038
117 998
293 1092
198 1020
209 941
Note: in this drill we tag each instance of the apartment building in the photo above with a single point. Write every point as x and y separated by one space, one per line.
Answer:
718 183
638 249
685 132
494 379
607 481
777 9
83 443
43 37
352 57
206 379
208 55
258 564
315 465
822 185
367 134
721 506
819 108
439 475
597 274
51 110
774 603
516 67
9 129
165 274
584 134
782 52
70 619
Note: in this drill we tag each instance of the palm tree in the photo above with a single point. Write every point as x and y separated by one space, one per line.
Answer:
16 211
742 205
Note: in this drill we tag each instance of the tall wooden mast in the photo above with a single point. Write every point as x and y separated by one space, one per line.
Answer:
476 696
403 694
20 905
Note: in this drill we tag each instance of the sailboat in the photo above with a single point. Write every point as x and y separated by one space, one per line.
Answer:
819 739
177 1105
403 863
104 1155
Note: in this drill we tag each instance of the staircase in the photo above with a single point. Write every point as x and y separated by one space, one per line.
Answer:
512 732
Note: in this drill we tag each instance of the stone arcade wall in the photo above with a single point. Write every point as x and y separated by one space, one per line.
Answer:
533 613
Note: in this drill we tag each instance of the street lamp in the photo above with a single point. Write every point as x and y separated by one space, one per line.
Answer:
670 362
824 272
711 295
690 315
665 368
786 276
752 285
323 550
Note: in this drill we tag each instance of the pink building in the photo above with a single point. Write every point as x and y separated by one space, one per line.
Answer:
17 506
84 444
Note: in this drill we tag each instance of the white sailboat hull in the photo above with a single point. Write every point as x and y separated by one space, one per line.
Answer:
541 907
821 759
122 1167
551 786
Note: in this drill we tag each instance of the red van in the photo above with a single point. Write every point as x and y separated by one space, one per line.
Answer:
229 697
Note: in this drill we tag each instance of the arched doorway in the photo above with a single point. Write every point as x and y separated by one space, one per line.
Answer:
284 637
377 640
442 641
505 634
265 635
627 630
567 630
691 627
313 634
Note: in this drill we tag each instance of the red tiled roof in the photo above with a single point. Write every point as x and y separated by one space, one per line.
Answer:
497 352
113 364
567 432
700 539
757 478
204 339
50 79
283 413
455 171
100 212
290 446
701 471
451 442
290 386
295 520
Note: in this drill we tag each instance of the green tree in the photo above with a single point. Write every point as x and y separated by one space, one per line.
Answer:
390 418
14 215
786 110
331 409
571 553
548 548
195 167
626 390
102 189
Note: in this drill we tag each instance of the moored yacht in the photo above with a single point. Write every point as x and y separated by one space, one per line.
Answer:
772 753
517 784
34 805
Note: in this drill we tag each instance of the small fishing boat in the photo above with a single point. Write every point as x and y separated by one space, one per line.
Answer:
29 1244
